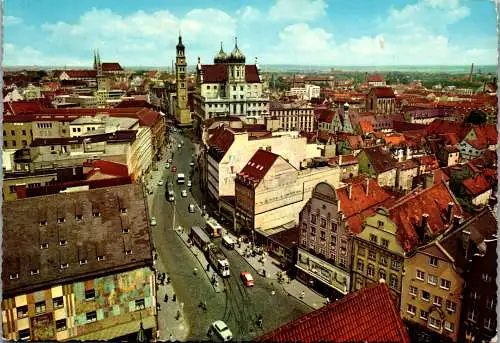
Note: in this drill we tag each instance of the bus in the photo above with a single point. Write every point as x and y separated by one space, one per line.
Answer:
228 242
214 229
199 238
180 178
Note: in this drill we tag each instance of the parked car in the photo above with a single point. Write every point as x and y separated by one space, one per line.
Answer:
179 146
184 193
248 279
169 160
167 165
174 169
191 208
160 183
153 221
189 183
191 164
222 330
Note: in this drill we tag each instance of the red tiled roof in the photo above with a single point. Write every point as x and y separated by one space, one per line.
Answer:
407 213
488 132
476 185
108 167
440 126
450 138
383 92
395 139
258 165
361 205
355 141
380 159
368 315
366 126
24 107
480 143
346 160
80 74
376 78
111 66
134 103
217 73
222 139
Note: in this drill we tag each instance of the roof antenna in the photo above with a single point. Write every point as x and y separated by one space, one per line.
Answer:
236 42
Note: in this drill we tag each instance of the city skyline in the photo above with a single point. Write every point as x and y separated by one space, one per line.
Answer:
316 32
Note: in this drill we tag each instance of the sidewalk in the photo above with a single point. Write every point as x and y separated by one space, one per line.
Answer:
219 285
270 265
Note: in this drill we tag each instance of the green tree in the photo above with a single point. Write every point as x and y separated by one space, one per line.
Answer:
477 117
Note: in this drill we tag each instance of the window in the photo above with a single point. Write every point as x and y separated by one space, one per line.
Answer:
373 238
44 246
58 302
446 284
125 230
90 294
128 252
61 324
96 213
433 261
434 323
61 220
64 265
323 222
342 261
488 323
432 279
78 217
438 301
63 242
43 222
393 281
485 277
24 335
139 304
449 326
360 265
100 258
395 265
420 275
83 261
40 307
22 311
490 303
370 270
426 296
451 306
382 274
424 314
372 255
334 227
361 251
123 210
24 132
474 295
12 132
14 276
383 260
411 309
34 272
385 243
91 316
413 290
472 315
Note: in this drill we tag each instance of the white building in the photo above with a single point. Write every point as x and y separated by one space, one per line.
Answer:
91 125
229 87
307 92
294 116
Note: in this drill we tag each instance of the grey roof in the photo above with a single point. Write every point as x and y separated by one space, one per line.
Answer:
29 223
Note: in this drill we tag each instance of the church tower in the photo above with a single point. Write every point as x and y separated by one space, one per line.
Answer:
182 113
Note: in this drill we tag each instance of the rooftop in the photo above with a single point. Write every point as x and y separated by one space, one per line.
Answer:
72 236
218 73
259 164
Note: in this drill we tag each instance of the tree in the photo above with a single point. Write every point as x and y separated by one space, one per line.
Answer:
477 117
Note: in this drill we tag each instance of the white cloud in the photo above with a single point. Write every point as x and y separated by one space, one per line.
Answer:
299 10
29 56
11 20
249 13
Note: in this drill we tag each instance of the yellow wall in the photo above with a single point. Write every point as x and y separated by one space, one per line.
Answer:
444 270
22 135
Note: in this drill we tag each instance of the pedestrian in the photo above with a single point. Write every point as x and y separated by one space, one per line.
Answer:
174 297
273 292
208 267
302 295
166 298
195 270
158 307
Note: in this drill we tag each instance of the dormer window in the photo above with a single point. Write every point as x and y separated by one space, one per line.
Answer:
35 271
64 265
79 217
43 223
125 230
63 242
101 258
61 220
83 261
14 276
128 252
96 213
123 210
44 246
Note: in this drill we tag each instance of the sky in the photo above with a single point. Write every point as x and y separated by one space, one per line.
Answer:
301 32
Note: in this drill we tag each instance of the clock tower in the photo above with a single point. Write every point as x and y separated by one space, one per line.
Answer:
182 113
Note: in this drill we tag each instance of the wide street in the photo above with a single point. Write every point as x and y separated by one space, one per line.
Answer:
239 306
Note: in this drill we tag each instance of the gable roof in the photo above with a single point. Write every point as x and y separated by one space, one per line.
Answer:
111 66
476 185
366 126
220 142
440 126
380 159
383 92
80 74
218 73
375 78
368 315
258 166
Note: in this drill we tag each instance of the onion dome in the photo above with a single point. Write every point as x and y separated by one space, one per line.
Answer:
221 57
236 55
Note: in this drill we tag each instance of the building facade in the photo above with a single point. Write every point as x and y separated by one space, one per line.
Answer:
381 101
324 253
293 117
83 270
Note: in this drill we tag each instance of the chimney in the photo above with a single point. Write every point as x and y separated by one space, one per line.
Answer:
340 160
338 205
448 211
428 180
350 190
456 221
367 186
422 227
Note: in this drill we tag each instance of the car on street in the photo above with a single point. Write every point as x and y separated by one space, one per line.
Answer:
160 183
184 193
153 221
247 278
191 208
179 146
222 330
191 164
174 169
189 183
169 160
167 165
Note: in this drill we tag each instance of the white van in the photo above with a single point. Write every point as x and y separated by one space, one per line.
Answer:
180 178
